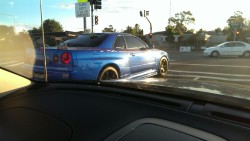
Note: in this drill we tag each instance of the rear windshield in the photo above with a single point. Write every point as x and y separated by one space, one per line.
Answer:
86 40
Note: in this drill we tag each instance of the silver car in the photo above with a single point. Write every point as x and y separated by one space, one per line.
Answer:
230 48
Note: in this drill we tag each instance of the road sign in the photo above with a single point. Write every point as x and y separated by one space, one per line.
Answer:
82 9
235 25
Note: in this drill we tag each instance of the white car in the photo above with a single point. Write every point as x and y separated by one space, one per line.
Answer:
230 48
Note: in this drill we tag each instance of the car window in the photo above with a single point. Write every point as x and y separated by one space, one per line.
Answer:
119 43
229 45
92 40
133 42
238 44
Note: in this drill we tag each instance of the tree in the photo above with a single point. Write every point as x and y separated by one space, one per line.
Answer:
6 31
218 30
109 29
169 33
180 21
35 30
137 29
237 18
49 25
134 30
236 23
129 29
200 38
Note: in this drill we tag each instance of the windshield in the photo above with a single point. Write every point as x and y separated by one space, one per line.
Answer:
160 43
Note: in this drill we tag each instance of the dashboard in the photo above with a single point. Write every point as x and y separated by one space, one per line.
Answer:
61 111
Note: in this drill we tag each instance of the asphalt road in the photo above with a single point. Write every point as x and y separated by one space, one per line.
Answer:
196 66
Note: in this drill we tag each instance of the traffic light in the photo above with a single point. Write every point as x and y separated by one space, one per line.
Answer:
96 20
98 4
92 1
238 33
141 14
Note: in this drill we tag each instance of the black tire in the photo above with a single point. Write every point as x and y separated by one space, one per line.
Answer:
108 73
215 54
246 54
163 67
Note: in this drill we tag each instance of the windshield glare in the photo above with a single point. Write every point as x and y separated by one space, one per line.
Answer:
144 42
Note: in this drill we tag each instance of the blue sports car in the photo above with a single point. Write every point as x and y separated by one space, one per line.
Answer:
97 56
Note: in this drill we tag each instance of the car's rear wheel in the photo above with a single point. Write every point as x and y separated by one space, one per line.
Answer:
246 54
215 54
108 73
163 67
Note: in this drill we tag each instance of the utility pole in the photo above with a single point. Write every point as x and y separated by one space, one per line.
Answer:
170 10
149 24
84 25
44 50
92 23
95 4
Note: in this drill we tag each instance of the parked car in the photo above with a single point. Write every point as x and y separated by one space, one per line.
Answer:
231 48
98 56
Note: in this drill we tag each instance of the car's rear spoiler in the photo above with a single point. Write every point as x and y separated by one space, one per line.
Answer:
56 34
53 38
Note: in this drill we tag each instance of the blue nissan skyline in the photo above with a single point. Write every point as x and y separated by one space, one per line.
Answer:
97 56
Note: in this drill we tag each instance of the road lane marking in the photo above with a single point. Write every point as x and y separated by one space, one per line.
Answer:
229 66
9 62
211 73
197 78
209 77
13 65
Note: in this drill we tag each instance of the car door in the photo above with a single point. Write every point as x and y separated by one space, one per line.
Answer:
226 49
140 58
238 48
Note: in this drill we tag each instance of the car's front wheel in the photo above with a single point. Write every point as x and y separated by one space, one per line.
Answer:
163 67
215 54
108 73
246 54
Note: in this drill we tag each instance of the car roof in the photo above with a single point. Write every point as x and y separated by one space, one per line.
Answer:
235 42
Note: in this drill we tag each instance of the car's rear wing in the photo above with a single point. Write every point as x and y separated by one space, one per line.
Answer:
52 38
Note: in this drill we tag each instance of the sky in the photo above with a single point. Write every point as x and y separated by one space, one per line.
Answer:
208 14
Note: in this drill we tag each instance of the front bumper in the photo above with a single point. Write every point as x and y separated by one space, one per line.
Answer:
206 53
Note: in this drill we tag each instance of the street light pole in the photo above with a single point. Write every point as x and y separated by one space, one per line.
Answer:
92 23
44 51
149 24
145 14
84 25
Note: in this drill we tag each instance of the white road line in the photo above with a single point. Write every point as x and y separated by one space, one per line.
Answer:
216 78
210 73
207 65
16 64
9 62
196 78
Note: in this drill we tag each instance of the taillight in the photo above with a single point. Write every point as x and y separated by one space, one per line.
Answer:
65 58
